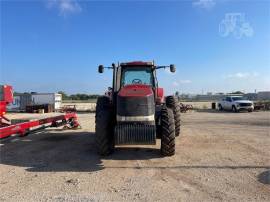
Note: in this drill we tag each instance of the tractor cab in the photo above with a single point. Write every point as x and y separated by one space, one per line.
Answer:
136 73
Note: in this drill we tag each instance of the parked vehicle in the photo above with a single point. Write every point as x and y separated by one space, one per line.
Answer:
47 98
22 100
236 104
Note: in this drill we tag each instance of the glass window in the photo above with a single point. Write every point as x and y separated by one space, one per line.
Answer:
237 98
228 99
138 75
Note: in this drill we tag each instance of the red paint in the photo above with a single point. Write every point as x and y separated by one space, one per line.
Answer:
21 128
159 95
6 129
8 94
3 107
137 63
7 98
136 90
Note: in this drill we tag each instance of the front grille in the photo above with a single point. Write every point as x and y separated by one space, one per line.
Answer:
135 106
245 104
134 134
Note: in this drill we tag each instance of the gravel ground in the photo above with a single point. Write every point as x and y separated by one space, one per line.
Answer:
220 156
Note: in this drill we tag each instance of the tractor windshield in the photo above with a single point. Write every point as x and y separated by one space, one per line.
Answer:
135 75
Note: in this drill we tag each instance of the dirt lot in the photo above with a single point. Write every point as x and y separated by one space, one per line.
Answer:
220 156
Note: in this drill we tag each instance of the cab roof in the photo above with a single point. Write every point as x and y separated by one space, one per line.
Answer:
137 63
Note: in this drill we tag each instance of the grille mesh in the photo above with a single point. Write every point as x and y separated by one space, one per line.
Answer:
134 134
245 104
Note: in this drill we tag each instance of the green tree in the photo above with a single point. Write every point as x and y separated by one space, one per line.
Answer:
64 95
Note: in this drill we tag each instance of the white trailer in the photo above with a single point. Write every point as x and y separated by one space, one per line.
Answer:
47 98
15 105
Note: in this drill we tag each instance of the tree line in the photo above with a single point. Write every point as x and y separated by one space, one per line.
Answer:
78 96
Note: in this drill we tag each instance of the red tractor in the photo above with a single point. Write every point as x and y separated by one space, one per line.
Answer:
134 111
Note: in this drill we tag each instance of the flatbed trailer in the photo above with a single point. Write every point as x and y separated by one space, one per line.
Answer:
7 129
70 120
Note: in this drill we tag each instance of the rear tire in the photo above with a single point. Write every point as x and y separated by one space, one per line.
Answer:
104 126
167 132
173 103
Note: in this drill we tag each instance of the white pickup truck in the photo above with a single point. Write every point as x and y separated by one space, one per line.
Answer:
235 103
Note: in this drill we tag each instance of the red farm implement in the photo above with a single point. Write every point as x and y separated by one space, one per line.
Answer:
7 129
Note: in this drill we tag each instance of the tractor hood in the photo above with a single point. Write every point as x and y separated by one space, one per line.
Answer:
135 103
136 90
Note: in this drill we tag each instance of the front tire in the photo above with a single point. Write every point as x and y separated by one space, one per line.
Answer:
173 103
220 108
104 126
234 109
167 132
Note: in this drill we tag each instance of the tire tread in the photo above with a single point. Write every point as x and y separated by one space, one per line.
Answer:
167 132
172 102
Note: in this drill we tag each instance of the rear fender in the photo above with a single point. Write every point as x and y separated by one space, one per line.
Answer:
159 95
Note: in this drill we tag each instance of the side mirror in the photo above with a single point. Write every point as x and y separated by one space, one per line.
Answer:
100 69
172 68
